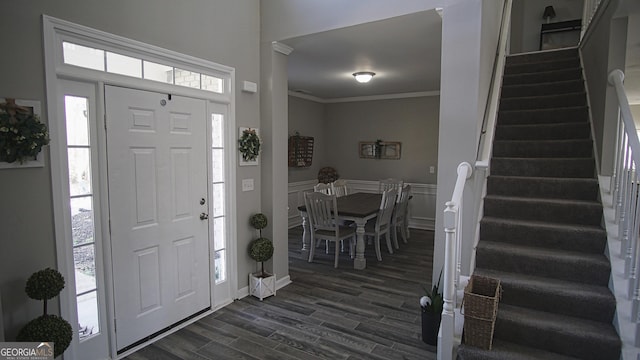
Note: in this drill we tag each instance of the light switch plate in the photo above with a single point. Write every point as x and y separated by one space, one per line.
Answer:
247 184
432 169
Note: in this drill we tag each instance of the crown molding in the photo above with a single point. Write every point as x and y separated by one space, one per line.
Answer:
365 98
281 48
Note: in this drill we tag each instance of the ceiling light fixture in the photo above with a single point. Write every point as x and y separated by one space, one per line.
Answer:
363 76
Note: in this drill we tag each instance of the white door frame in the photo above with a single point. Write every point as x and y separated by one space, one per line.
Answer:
57 73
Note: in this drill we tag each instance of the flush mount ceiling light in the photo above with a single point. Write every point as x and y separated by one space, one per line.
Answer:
363 76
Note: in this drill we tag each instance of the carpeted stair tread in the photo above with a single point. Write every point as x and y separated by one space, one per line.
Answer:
544 167
504 350
544 116
544 101
588 239
543 187
542 77
553 263
539 89
555 296
565 211
542 56
565 131
567 335
580 148
541 66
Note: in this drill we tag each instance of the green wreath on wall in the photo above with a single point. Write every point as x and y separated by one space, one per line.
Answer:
249 145
22 135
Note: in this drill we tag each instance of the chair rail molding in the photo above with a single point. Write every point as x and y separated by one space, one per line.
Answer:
422 206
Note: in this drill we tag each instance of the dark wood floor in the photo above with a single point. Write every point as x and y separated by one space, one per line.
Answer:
325 313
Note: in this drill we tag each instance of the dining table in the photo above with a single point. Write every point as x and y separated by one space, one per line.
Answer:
357 207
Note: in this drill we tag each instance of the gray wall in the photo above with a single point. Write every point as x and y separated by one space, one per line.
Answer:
527 20
338 127
308 118
199 28
412 121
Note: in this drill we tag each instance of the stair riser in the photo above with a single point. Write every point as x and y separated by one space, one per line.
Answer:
568 63
555 303
542 56
556 88
543 149
542 77
545 116
586 272
553 212
556 340
572 168
543 102
543 131
575 189
591 241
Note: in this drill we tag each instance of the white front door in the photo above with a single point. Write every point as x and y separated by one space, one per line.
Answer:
157 170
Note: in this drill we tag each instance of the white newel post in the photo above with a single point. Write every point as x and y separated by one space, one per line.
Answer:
445 337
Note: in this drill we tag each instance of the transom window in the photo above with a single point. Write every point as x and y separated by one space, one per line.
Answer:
111 62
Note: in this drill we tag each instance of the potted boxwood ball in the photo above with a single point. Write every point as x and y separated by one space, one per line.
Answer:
261 283
44 285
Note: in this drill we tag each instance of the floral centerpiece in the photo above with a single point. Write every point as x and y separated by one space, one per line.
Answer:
22 135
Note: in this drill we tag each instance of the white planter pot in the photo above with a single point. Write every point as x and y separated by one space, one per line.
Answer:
262 287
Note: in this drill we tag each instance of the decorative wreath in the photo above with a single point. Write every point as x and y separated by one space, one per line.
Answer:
22 135
249 145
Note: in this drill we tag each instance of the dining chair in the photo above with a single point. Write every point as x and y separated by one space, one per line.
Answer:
323 188
322 210
381 225
400 218
390 183
339 187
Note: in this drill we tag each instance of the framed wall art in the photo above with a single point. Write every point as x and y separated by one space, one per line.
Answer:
379 149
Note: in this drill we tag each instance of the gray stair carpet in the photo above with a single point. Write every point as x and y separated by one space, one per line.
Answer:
541 233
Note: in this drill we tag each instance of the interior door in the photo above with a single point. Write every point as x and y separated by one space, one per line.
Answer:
157 170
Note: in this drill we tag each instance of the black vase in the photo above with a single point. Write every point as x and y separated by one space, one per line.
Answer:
430 327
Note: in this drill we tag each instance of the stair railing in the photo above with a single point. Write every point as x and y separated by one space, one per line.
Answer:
452 254
453 209
626 183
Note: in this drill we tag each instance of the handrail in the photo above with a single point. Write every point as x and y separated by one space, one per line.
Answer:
626 182
493 99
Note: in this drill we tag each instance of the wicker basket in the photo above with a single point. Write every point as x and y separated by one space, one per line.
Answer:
481 296
478 332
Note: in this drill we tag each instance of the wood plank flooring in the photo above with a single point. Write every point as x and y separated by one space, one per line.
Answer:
325 313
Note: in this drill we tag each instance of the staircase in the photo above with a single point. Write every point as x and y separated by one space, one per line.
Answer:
541 233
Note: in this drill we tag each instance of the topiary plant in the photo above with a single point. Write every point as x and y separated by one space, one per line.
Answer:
260 249
44 285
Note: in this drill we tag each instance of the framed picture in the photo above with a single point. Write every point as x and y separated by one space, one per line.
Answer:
249 145
34 108
379 150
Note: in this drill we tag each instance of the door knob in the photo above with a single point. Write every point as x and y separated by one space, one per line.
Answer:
202 201
204 216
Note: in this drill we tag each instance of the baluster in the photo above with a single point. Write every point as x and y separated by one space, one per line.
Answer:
617 171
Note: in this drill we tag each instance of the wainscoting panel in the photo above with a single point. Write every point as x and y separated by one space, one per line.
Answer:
422 206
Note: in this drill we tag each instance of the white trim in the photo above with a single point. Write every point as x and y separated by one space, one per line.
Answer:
54 31
365 98
281 48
